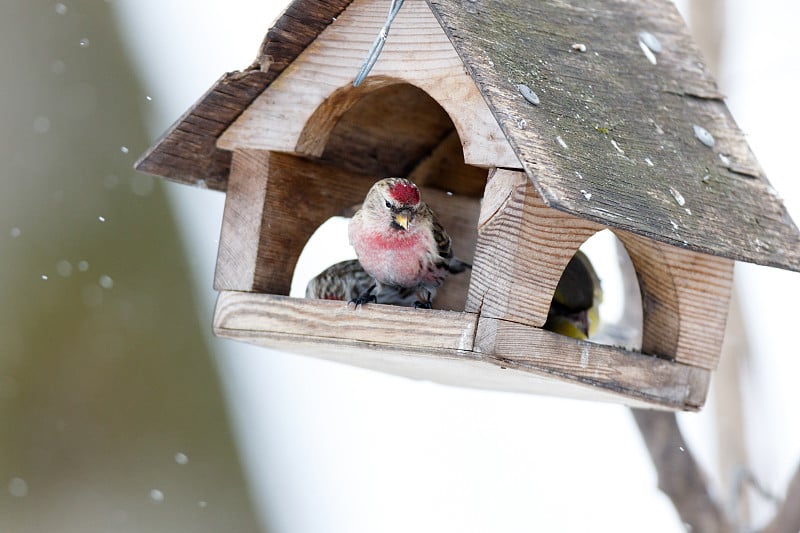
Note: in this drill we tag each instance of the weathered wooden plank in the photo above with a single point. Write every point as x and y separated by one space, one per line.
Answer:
237 256
619 128
397 130
704 285
306 101
296 28
187 152
386 132
416 364
685 297
458 349
647 377
444 169
523 248
300 195
442 332
661 316
665 184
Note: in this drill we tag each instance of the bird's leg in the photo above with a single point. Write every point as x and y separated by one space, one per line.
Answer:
424 302
365 297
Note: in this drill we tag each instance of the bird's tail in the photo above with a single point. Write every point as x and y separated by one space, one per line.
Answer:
456 266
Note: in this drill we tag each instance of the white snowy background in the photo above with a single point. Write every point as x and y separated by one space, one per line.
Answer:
329 448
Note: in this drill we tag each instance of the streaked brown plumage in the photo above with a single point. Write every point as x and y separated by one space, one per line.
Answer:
347 280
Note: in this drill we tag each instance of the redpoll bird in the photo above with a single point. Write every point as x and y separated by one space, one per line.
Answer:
400 243
347 280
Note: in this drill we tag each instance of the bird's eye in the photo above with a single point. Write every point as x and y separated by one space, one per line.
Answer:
388 204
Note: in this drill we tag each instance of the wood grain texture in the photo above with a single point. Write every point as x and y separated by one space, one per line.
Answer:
625 125
187 152
397 130
523 248
413 329
237 256
685 297
444 169
458 349
297 27
610 93
417 52
300 195
386 132
647 377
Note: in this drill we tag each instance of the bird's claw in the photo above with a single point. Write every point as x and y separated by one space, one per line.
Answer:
367 296
364 300
423 305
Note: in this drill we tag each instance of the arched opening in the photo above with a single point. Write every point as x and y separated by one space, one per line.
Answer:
327 246
394 129
598 297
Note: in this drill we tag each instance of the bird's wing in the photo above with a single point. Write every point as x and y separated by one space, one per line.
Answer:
577 288
444 245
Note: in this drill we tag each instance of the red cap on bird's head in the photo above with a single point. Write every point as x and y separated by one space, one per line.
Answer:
404 192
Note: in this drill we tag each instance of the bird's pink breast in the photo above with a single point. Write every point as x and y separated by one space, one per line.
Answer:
394 257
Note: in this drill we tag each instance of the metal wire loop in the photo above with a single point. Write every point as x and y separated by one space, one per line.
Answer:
377 46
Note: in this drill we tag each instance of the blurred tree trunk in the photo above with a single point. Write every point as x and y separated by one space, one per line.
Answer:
104 372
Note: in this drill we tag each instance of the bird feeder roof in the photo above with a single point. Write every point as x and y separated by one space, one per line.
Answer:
628 129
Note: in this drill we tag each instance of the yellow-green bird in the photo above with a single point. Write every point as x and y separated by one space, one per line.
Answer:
574 310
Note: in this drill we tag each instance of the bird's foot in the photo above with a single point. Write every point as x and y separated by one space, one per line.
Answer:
365 297
424 301
364 300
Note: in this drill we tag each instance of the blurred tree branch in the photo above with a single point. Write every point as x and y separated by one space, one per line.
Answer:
679 475
682 480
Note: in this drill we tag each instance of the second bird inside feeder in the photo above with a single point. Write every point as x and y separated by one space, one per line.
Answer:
574 311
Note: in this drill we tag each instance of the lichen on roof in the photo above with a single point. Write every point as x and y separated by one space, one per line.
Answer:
613 137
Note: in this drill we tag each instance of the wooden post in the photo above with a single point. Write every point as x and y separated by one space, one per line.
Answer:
685 295
523 248
280 201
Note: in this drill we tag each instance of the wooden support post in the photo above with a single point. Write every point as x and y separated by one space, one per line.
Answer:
241 222
685 295
263 231
523 248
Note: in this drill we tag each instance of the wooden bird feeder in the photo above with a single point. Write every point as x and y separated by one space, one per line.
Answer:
630 133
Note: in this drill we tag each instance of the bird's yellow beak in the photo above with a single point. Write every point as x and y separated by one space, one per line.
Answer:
402 220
